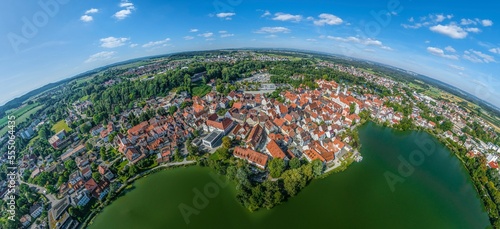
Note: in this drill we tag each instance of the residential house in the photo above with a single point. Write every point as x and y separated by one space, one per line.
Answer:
252 157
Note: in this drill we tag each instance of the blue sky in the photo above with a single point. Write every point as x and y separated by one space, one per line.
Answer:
456 42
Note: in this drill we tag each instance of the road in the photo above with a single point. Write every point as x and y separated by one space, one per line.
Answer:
185 162
43 191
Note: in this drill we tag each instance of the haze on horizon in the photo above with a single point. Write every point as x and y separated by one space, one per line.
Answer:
48 40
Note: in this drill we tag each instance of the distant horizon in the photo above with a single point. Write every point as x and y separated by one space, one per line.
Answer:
235 49
454 42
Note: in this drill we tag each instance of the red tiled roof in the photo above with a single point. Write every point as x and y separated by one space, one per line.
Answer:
90 185
136 130
493 165
313 155
237 105
275 150
223 125
255 135
250 155
102 169
279 122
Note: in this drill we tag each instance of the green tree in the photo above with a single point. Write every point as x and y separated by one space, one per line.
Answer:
70 165
172 110
85 128
352 108
88 146
446 125
317 167
293 181
222 153
226 142
44 132
294 163
132 170
103 154
276 167
161 111
96 176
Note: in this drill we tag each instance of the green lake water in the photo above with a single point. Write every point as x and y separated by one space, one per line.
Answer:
437 194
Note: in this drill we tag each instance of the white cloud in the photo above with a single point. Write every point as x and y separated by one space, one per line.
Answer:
415 26
222 31
133 45
86 18
477 56
126 4
273 30
450 49
92 11
206 35
227 16
328 19
287 17
113 42
487 22
456 67
266 13
439 52
455 30
122 14
484 22
193 30
156 43
271 36
473 30
495 50
468 22
450 30
188 38
100 56
440 18
226 35
311 39
486 58
366 42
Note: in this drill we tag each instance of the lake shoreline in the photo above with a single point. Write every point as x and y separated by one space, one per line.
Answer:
308 190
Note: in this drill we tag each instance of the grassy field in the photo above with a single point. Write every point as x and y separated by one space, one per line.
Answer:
369 70
291 58
201 90
83 80
122 165
23 109
22 114
431 91
84 98
134 65
61 125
